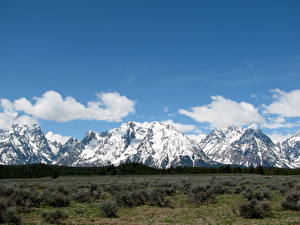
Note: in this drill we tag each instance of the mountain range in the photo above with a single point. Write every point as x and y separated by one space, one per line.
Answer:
155 144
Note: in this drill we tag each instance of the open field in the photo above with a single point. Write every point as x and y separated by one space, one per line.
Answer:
164 199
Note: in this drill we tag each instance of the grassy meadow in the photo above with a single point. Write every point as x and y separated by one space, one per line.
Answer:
152 199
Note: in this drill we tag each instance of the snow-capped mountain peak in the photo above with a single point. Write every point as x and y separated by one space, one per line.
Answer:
151 143
291 148
23 144
156 144
245 147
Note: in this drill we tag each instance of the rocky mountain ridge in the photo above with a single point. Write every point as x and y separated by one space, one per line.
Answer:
154 144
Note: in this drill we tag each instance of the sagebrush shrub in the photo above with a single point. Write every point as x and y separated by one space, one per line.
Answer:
156 198
63 190
109 209
105 196
292 201
218 189
56 199
260 194
82 196
201 195
153 197
254 209
5 190
25 199
55 217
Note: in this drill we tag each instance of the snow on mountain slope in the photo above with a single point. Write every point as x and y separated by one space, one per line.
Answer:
24 144
163 146
245 147
216 143
154 144
68 153
291 149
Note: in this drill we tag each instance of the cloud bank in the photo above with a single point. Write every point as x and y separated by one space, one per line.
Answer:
57 137
222 112
182 127
110 106
285 104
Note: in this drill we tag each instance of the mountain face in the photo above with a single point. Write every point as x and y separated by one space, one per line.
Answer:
151 143
291 149
216 143
24 144
245 147
154 144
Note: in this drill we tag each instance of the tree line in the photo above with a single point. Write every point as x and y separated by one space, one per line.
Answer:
44 170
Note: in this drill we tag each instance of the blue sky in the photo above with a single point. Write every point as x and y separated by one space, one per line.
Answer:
162 55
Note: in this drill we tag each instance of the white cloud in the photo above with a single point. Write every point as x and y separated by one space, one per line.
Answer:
285 104
197 137
56 137
109 106
222 112
166 109
277 137
182 127
9 118
276 125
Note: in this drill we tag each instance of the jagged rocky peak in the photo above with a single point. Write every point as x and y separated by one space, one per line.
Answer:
293 140
152 143
252 133
243 147
156 144
291 149
90 135
26 129
24 143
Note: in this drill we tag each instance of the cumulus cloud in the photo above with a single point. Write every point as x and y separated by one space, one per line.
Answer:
277 137
9 118
109 106
182 127
56 137
222 112
285 104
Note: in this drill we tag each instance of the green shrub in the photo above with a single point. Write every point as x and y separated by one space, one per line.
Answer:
55 217
10 216
105 196
254 209
3 207
109 209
